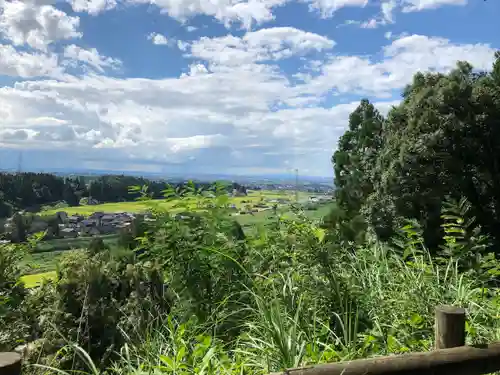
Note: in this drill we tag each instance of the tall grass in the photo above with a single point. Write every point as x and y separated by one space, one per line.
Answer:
302 301
283 330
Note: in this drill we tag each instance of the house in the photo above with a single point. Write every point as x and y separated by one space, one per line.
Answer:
239 193
68 233
108 218
96 215
75 219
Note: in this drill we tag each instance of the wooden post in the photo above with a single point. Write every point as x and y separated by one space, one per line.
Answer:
10 363
450 327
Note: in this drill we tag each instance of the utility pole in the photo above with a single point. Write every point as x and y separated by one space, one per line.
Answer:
296 185
90 187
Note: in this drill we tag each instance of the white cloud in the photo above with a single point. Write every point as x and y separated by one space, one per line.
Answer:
387 10
402 58
36 23
247 13
385 17
89 57
328 7
28 65
191 28
234 109
371 24
158 39
183 46
418 5
92 7
263 45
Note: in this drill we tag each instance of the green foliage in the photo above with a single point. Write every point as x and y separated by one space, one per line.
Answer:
96 246
17 316
413 227
463 238
100 302
288 296
440 142
12 294
201 255
353 161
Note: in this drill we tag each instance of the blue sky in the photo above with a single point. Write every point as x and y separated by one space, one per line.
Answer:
219 86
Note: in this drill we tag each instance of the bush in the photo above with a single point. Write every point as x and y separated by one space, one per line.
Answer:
101 301
13 328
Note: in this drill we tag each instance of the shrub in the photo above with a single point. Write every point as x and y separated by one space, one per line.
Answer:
101 301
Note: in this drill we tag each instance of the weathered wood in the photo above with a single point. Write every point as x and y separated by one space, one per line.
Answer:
450 327
10 363
465 360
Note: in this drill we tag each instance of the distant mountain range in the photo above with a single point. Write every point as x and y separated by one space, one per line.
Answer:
254 179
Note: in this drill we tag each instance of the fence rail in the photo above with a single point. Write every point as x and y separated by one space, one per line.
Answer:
451 357
10 363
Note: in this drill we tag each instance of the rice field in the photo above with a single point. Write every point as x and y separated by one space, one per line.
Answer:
141 206
31 281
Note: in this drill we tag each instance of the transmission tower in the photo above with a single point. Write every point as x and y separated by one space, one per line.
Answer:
20 163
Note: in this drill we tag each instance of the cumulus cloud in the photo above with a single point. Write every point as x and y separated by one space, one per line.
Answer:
402 58
158 39
328 7
28 65
89 57
250 13
36 23
233 107
92 7
263 45
418 5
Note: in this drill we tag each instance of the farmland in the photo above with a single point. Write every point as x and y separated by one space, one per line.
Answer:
48 253
253 197
31 281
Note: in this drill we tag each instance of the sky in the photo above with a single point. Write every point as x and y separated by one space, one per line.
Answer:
215 86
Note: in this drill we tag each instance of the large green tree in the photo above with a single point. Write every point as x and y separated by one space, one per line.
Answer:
353 163
442 141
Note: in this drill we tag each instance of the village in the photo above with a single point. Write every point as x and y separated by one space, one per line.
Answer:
99 223
61 225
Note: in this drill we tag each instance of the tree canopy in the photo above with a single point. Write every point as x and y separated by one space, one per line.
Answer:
441 142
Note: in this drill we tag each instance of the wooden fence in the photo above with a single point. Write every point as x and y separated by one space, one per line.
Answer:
450 356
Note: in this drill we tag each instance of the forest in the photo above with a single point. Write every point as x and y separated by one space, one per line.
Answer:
415 225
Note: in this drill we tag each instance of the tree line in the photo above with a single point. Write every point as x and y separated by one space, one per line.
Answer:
440 144
30 191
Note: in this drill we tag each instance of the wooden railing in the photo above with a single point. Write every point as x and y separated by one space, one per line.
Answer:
451 357
10 363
